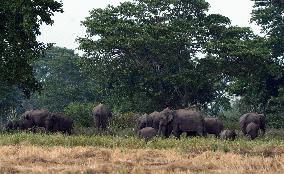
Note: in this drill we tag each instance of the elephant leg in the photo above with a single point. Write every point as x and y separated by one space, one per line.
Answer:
178 134
200 133
262 132
34 129
217 135
69 131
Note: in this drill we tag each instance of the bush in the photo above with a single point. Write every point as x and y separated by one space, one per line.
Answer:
123 123
80 113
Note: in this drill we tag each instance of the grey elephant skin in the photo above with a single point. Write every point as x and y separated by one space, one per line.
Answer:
228 134
252 130
213 126
12 125
58 122
101 115
147 133
151 120
182 120
252 117
36 117
22 124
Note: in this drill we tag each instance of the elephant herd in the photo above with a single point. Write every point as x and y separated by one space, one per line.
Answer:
165 123
193 123
51 122
56 122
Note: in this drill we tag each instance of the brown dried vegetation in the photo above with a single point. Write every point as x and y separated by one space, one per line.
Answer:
88 160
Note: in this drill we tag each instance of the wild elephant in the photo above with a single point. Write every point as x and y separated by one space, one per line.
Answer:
25 124
252 130
101 115
228 134
151 120
213 126
147 133
182 120
12 125
36 117
58 122
22 124
258 119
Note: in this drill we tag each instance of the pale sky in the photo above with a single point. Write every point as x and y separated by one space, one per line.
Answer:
67 26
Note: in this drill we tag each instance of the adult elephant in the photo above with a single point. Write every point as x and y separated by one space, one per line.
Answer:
213 126
101 115
252 117
182 120
151 120
58 122
36 117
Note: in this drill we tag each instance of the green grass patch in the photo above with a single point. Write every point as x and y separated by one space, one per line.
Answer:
267 146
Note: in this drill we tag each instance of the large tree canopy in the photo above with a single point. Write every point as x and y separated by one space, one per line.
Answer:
19 26
145 52
64 81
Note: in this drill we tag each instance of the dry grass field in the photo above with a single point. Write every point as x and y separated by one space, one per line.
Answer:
58 159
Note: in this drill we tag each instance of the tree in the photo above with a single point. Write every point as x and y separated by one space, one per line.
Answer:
64 81
10 103
19 27
269 16
144 55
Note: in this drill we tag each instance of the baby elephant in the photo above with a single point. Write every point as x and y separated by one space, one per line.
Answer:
147 133
252 130
228 135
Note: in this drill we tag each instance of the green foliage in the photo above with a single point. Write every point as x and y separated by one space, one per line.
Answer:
19 48
64 81
81 114
275 111
10 102
145 57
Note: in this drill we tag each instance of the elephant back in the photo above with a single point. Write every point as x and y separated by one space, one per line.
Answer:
101 109
189 120
58 122
147 133
228 134
37 117
213 125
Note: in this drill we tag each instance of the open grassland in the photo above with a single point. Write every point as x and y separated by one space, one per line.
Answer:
41 153
36 159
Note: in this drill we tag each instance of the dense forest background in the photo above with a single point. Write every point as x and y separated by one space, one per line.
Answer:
142 56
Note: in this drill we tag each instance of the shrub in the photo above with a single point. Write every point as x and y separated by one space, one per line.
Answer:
123 123
80 113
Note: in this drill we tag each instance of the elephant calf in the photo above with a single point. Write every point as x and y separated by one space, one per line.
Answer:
252 130
228 135
147 133
213 126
